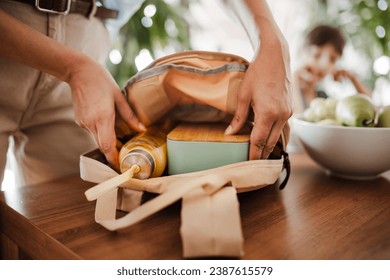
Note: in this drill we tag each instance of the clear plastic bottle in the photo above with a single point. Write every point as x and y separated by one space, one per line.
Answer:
148 150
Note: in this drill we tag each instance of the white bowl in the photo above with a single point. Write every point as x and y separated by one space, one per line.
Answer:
349 152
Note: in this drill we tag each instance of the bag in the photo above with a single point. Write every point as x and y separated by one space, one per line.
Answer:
189 86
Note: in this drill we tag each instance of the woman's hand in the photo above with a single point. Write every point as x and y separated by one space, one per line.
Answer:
96 96
96 99
266 87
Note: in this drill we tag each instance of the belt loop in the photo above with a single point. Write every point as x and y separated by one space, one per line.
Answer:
93 9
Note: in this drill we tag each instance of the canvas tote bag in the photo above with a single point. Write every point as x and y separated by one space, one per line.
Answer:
189 86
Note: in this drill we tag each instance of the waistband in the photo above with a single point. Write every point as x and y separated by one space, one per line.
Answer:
88 8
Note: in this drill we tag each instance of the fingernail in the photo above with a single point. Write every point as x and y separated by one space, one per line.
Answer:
229 130
141 126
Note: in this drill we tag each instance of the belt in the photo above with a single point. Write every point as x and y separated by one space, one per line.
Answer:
87 8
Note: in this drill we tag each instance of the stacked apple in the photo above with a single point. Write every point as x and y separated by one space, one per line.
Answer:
355 110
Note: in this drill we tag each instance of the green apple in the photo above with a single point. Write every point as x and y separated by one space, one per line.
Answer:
317 107
356 110
384 117
328 122
317 102
320 109
309 115
330 105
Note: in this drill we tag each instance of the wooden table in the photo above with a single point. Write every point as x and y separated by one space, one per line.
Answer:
316 217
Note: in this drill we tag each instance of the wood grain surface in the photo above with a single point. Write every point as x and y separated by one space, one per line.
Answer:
206 132
316 217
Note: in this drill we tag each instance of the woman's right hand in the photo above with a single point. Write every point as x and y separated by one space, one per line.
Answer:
96 99
96 96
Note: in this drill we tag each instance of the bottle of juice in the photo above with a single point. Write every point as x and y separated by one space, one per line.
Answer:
148 150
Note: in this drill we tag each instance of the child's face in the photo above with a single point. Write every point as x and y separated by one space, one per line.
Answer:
322 59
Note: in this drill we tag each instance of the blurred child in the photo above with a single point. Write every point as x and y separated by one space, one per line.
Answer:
324 46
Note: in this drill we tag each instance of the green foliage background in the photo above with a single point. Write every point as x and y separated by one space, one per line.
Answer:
357 18
134 37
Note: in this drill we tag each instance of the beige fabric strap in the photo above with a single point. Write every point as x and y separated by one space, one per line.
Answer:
211 224
210 212
114 182
106 206
209 184
95 171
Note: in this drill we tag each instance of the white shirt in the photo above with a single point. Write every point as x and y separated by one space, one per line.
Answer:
127 8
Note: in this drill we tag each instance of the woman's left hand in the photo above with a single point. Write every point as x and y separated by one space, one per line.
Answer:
266 88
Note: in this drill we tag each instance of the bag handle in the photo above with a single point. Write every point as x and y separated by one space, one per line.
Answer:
97 191
209 183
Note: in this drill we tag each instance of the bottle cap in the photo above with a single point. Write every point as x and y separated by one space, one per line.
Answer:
141 158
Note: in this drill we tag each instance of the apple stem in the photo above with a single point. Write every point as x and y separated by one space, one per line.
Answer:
367 122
